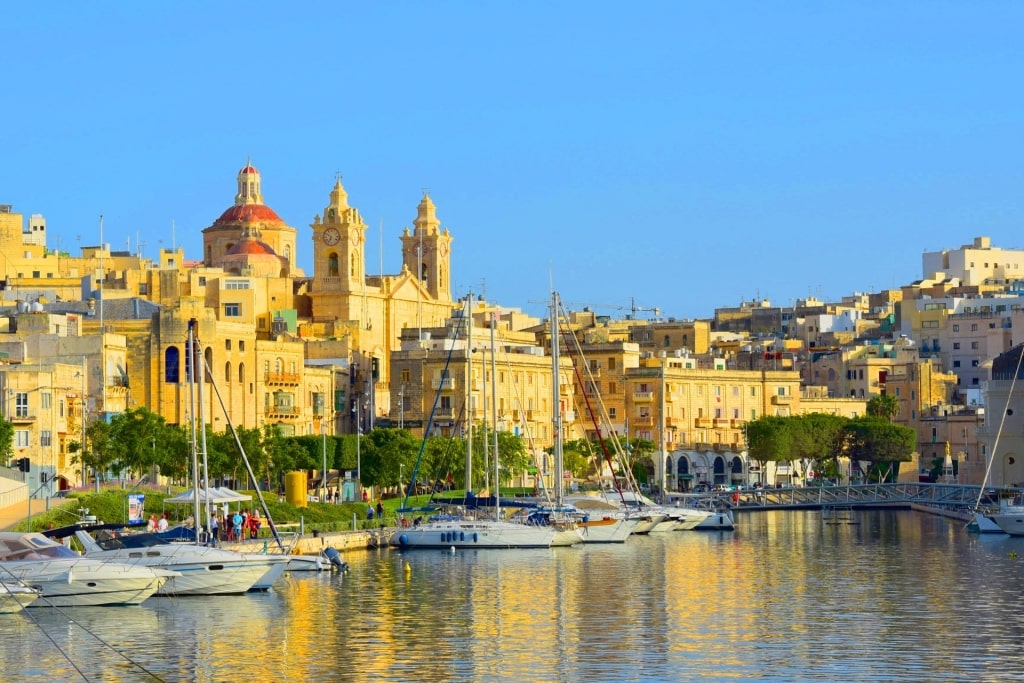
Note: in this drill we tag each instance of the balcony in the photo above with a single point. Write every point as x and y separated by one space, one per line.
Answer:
444 412
282 411
670 422
702 422
594 372
643 395
721 423
644 421
781 400
281 377
446 384
22 417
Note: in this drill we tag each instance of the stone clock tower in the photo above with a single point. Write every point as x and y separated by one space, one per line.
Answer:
426 252
339 246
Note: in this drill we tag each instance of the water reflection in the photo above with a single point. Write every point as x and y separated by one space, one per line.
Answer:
788 596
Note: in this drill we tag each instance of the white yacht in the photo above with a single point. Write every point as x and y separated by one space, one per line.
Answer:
202 570
67 579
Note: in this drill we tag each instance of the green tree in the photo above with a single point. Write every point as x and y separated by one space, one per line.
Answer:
885 406
6 440
386 454
770 439
820 438
881 444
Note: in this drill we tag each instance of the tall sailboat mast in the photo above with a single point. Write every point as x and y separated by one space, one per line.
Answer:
556 401
494 420
469 393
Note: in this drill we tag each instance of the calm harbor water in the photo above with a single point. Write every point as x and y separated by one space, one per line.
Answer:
788 596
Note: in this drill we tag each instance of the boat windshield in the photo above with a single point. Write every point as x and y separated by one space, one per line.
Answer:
33 547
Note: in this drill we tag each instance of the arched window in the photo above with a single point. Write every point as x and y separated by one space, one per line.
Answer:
227 372
208 368
172 365
352 272
241 373
423 272
666 342
332 265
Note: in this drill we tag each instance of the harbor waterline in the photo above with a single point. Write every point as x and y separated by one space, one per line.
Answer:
788 596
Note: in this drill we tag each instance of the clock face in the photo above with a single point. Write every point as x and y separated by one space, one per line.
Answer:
331 236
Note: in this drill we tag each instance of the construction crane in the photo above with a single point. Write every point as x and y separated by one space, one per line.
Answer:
632 308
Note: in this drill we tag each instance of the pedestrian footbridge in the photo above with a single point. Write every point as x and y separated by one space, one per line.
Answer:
951 496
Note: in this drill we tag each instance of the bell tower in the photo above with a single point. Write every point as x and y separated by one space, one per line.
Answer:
426 251
339 241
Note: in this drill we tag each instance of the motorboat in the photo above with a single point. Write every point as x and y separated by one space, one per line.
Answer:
66 579
202 570
1009 517
14 597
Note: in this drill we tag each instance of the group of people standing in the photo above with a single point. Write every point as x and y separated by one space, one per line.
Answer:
234 527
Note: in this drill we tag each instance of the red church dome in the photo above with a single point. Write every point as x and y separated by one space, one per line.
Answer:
249 213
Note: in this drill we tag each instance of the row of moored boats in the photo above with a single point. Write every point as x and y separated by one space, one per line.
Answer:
603 517
126 569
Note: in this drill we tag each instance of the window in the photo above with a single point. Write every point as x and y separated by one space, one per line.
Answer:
232 310
227 371
44 399
975 345
974 327
21 404
612 388
241 373
956 345
406 374
21 438
974 363
956 364
202 280
241 345
236 284
227 344
611 413
956 328
172 369
44 438
611 363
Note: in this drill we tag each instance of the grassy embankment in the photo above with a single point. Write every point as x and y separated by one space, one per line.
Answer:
111 506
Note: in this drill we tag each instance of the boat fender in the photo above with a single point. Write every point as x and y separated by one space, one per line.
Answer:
474 537
403 539
462 536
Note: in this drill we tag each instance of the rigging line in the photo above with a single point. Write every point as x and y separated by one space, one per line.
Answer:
1002 421
616 444
28 613
590 408
245 460
444 461
437 398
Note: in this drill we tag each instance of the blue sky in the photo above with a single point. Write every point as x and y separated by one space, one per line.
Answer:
685 155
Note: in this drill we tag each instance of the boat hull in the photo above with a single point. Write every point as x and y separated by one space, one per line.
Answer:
473 534
608 529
